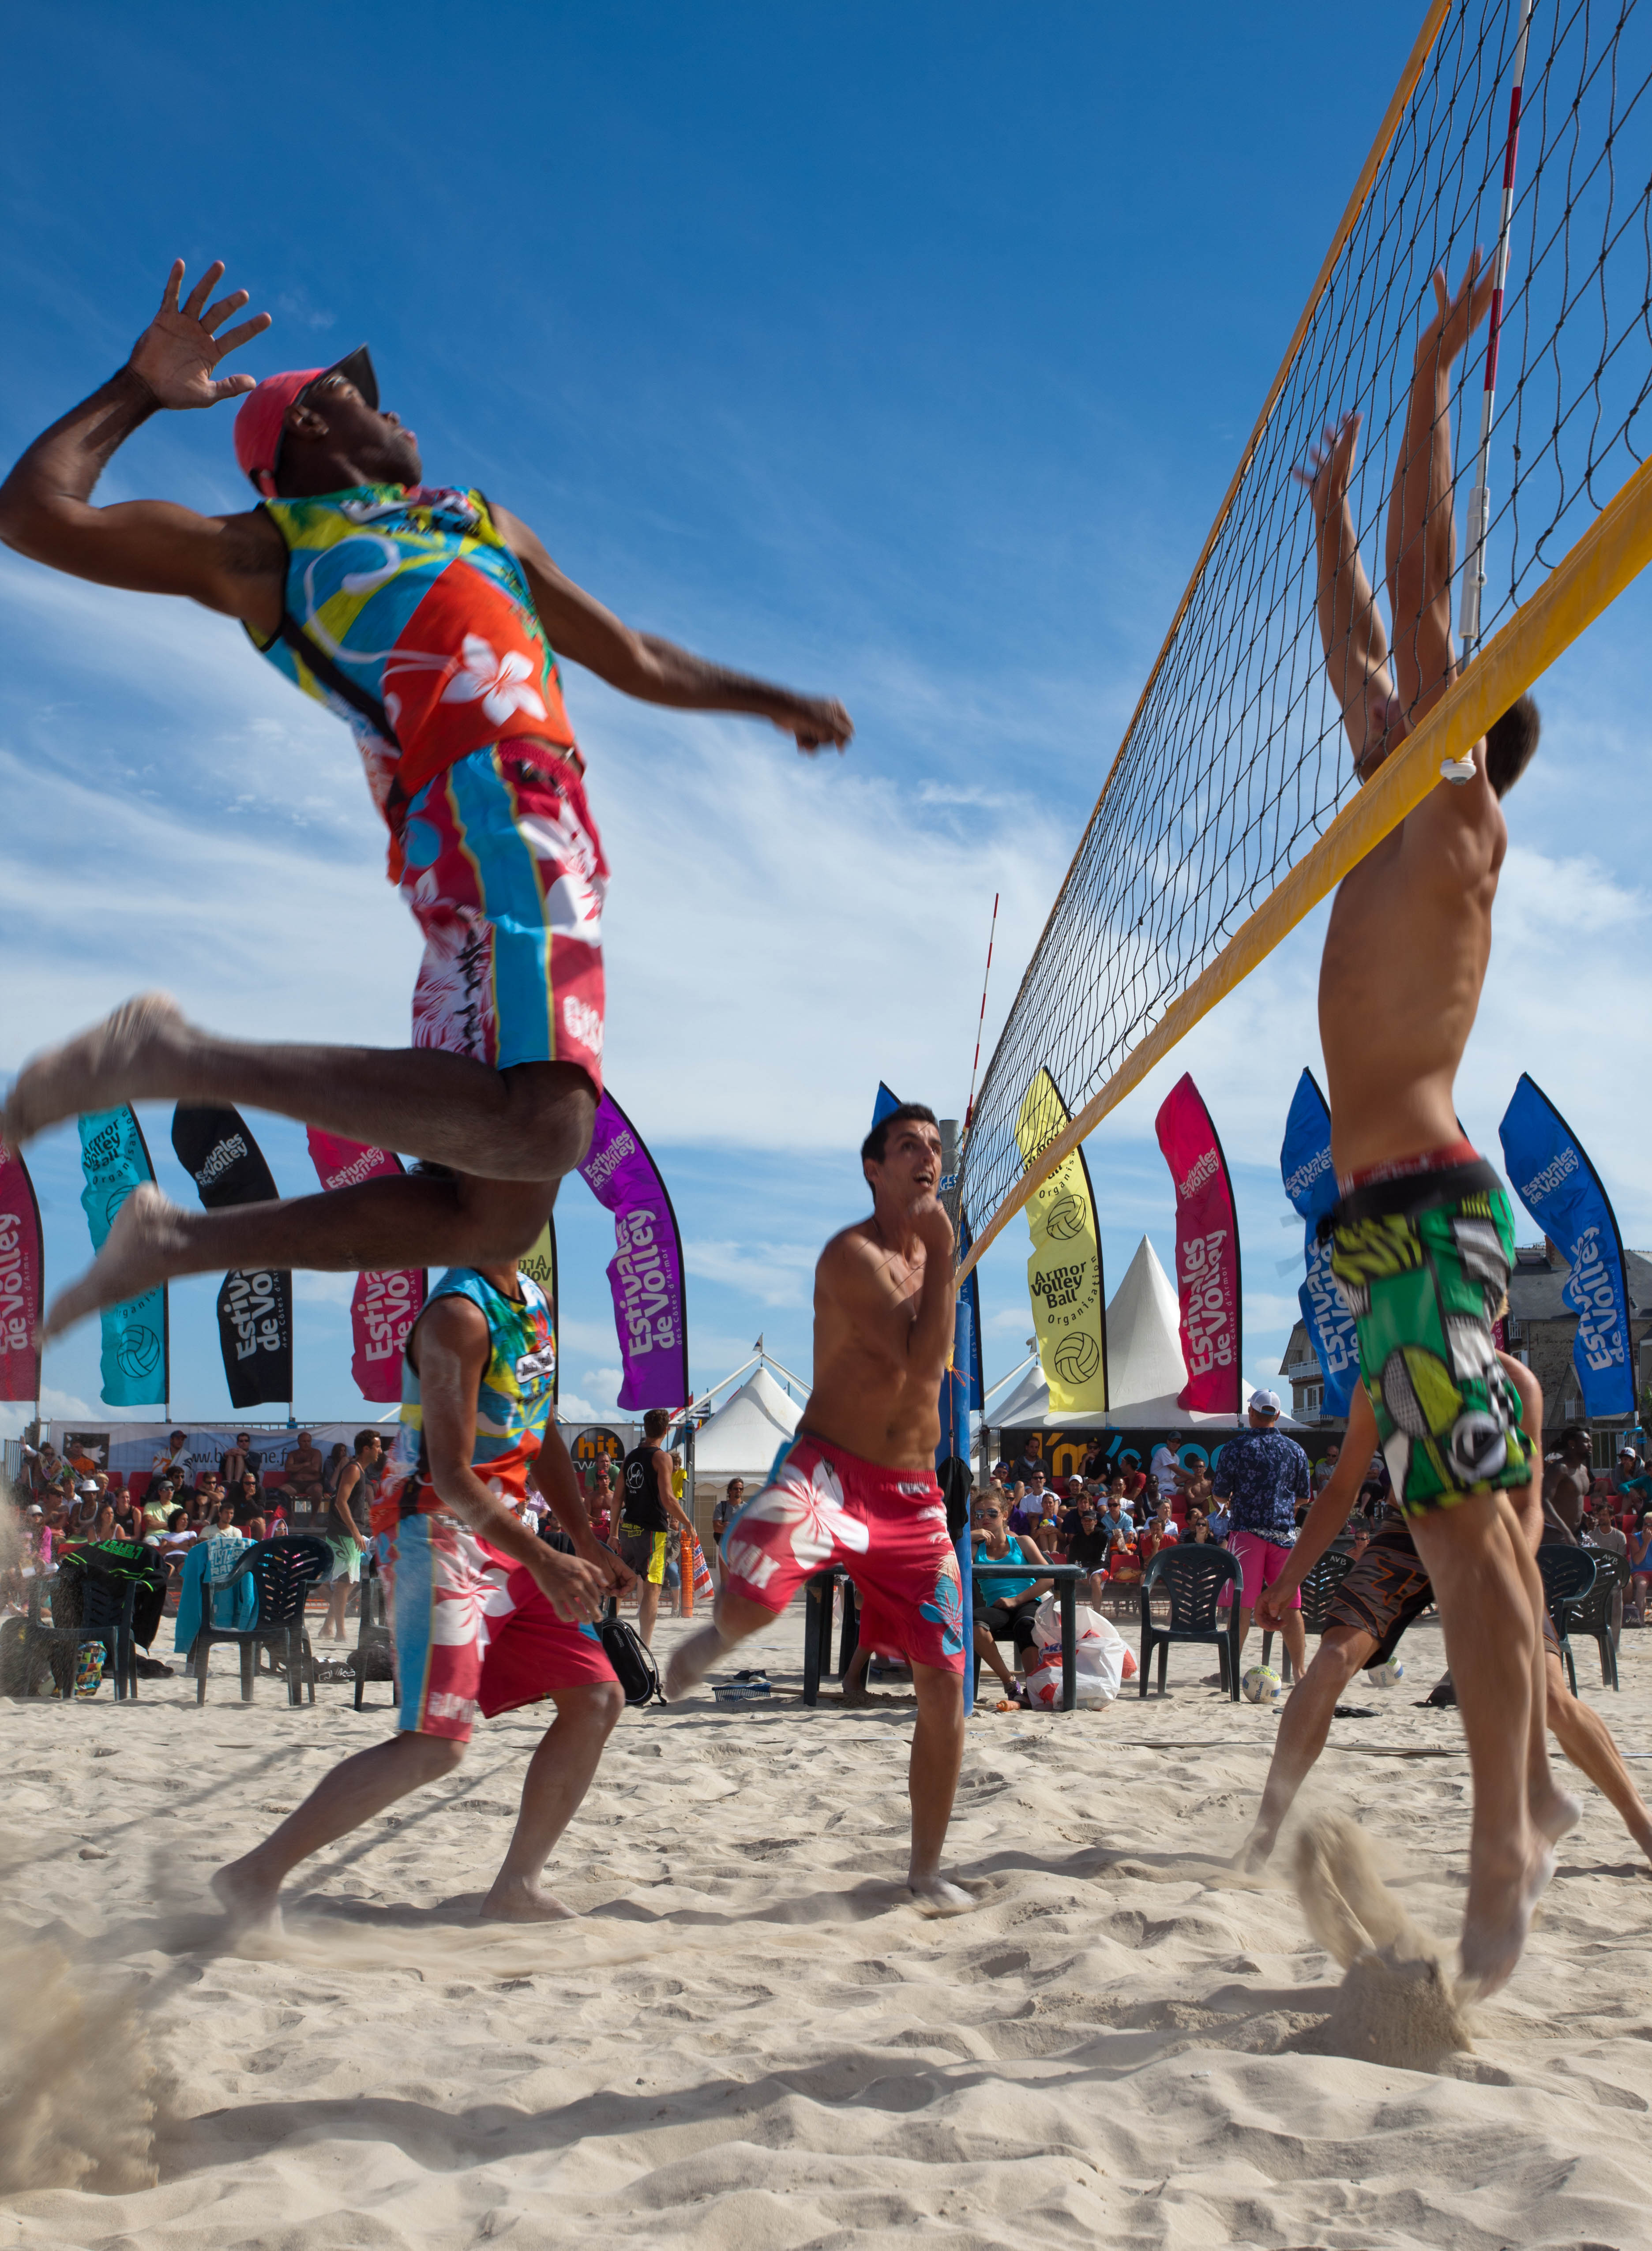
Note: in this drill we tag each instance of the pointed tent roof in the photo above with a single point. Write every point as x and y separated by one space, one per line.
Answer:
1144 1333
740 1440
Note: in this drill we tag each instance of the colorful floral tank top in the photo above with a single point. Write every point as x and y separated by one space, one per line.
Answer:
408 616
515 1401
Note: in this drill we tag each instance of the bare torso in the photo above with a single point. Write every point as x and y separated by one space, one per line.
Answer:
872 1395
1405 959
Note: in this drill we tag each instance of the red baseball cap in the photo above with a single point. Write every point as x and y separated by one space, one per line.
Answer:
262 414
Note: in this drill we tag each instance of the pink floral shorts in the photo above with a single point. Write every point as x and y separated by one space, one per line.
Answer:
502 869
886 1528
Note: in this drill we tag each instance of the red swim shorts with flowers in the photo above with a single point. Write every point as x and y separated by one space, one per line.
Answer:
886 1528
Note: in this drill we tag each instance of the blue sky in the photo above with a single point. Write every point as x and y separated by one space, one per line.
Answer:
898 353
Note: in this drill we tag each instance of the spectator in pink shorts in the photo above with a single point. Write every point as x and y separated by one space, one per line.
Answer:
1262 1474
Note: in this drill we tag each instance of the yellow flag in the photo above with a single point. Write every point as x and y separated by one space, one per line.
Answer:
1064 1274
539 1264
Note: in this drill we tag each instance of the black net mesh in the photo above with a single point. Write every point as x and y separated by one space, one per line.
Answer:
1237 760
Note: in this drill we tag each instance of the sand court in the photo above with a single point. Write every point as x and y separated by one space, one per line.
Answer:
750 2039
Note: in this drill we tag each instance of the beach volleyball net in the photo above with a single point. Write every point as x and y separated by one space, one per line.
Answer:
1232 809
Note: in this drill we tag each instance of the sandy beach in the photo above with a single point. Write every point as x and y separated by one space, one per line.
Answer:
749 2041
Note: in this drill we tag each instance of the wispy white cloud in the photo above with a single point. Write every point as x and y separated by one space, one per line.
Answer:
773 1273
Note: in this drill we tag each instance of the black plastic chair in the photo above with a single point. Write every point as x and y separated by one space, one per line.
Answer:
104 1603
1193 1575
370 1660
1318 1587
1568 1575
283 1571
1592 1615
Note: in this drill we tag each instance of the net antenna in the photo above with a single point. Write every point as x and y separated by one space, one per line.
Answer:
1232 807
1479 519
980 1021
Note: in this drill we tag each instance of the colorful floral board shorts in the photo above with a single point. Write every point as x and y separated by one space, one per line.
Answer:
886 1528
502 870
472 1631
1423 1263
1388 1590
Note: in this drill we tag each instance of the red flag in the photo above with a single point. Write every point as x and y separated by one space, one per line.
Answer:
384 1306
21 1281
1207 1253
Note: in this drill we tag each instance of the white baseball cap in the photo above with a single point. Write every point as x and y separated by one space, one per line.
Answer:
1265 1402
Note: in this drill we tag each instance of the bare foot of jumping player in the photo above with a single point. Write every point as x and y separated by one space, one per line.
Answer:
136 1258
97 1070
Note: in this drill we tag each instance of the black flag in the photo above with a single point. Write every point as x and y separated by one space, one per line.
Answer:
215 1144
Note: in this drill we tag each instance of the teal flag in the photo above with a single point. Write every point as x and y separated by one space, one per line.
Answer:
114 1159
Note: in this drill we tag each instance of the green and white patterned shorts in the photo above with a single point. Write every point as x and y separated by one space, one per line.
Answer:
1423 1263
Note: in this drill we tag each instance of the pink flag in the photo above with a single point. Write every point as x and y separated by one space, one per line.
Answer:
1207 1254
385 1306
20 1281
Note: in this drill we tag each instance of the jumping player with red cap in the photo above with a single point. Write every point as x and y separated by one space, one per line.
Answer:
429 619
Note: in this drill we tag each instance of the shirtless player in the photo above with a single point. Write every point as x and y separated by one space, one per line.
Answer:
1372 1607
856 1486
484 1615
426 618
1423 1237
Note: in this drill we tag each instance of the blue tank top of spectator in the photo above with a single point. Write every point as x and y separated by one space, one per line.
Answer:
1261 1475
1005 1590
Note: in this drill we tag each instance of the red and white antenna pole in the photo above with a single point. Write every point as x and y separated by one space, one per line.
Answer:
980 1022
1479 525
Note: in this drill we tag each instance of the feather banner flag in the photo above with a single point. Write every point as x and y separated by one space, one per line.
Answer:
1553 1176
650 1314
1207 1253
214 1144
1305 1167
21 1280
1063 1273
539 1264
385 1303
116 1160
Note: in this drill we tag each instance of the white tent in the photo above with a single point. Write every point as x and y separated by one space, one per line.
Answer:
742 1437
1145 1367
1144 1333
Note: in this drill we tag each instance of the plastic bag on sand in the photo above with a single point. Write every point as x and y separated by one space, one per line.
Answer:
1102 1658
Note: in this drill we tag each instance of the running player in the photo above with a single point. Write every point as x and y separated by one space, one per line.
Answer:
484 1615
426 618
651 1513
856 1486
1383 1594
1423 1237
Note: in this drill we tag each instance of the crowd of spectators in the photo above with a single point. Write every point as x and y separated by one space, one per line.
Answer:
1113 1516
170 1506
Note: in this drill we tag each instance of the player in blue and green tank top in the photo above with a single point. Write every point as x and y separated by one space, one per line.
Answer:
430 619
484 1615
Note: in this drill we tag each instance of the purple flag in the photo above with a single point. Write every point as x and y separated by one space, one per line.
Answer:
646 1271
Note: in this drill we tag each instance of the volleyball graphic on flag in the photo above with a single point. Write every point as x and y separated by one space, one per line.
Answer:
1076 1358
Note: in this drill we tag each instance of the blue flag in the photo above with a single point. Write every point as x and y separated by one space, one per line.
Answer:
115 1160
1310 1182
1561 1189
